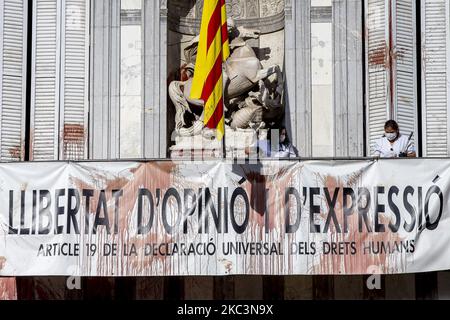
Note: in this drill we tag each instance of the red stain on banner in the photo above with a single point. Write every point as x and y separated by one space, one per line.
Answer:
360 262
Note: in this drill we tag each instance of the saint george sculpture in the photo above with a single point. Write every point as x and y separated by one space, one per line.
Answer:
253 95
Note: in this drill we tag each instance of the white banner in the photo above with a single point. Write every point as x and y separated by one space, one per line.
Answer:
221 218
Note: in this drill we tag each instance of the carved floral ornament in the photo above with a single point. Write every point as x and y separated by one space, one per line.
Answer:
266 15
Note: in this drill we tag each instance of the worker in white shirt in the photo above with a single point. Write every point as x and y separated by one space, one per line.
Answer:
283 148
393 144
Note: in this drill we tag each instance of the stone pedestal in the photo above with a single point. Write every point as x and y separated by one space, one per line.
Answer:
239 144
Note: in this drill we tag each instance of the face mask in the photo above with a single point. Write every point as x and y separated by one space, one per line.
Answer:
282 138
391 136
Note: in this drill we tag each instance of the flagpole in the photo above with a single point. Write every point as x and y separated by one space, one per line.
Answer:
224 147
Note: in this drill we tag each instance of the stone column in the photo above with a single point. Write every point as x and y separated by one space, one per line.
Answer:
155 79
105 77
298 74
348 78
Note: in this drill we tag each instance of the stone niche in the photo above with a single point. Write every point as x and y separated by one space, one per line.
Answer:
266 20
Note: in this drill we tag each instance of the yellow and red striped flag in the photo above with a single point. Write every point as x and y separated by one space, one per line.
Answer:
213 50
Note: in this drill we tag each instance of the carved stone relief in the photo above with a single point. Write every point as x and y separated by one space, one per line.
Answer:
265 15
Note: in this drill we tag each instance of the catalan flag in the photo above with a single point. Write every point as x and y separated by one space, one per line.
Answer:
213 50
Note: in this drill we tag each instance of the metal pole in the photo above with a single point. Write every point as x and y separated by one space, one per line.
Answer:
224 148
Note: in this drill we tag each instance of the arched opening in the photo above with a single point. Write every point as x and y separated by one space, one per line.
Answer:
252 107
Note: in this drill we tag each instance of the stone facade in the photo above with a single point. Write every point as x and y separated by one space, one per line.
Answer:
285 40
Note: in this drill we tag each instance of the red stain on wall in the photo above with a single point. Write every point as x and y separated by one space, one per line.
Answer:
73 138
16 153
380 56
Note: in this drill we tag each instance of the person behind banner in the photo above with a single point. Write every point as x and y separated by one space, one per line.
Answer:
283 148
393 144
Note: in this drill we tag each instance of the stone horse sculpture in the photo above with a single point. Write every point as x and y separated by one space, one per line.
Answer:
252 95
